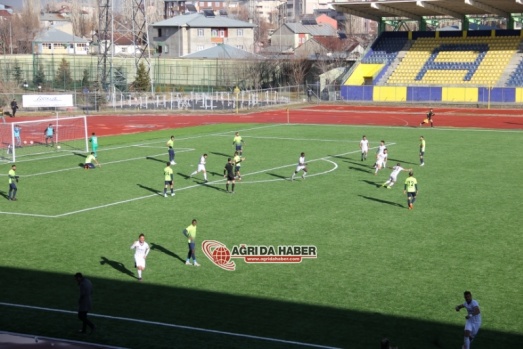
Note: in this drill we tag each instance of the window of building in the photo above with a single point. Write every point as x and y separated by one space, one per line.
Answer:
214 33
239 32
200 48
160 32
240 47
166 49
124 50
201 32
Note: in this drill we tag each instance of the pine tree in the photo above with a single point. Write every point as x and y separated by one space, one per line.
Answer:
63 77
85 78
17 73
39 77
143 80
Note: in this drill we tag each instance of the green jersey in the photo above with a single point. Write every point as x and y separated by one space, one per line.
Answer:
237 161
237 140
191 233
411 185
94 141
422 145
12 175
168 173
170 143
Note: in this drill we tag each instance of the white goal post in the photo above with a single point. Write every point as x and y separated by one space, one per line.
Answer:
28 138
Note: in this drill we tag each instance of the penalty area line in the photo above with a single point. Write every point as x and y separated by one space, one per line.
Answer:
182 327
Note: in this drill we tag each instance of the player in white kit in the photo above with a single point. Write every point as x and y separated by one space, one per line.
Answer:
201 167
141 250
381 161
302 165
473 319
394 175
364 146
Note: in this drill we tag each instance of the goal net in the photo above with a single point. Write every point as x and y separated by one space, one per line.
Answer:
31 138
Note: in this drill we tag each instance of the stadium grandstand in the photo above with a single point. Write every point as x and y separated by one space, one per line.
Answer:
465 63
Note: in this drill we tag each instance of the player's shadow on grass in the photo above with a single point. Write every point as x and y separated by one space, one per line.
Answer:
156 159
381 201
152 190
360 169
376 184
402 162
222 154
162 249
119 266
278 176
3 193
82 155
215 173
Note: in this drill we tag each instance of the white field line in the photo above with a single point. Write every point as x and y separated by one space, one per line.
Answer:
301 139
182 327
104 163
176 190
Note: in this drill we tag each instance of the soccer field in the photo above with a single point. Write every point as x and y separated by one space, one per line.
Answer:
381 269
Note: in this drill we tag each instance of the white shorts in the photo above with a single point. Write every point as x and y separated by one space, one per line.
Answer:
380 163
139 261
472 327
393 178
201 168
364 150
299 168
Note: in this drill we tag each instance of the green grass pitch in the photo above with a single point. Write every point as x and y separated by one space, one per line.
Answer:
381 270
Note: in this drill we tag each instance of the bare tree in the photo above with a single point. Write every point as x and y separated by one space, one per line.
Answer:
82 19
297 69
25 26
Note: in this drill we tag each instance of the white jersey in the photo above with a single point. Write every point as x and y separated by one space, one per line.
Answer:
382 159
202 160
301 163
141 250
470 310
381 148
395 171
364 145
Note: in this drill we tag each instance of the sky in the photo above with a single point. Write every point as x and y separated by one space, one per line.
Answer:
17 4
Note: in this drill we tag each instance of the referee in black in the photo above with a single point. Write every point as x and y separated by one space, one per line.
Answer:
228 172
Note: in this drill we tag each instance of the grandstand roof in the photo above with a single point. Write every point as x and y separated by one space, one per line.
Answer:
378 9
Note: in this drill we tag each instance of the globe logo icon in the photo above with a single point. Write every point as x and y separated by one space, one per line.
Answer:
221 255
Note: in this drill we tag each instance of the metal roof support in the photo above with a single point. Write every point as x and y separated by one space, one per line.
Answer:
487 8
395 12
440 9
356 13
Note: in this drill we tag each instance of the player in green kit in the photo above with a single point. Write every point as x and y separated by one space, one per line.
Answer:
168 179
238 143
411 189
94 144
190 234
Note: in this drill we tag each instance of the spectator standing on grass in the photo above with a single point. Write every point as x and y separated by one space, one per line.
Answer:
411 189
94 144
473 318
49 135
190 234
309 94
14 107
168 178
90 160
13 179
141 250
84 302
364 147
170 150
228 172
